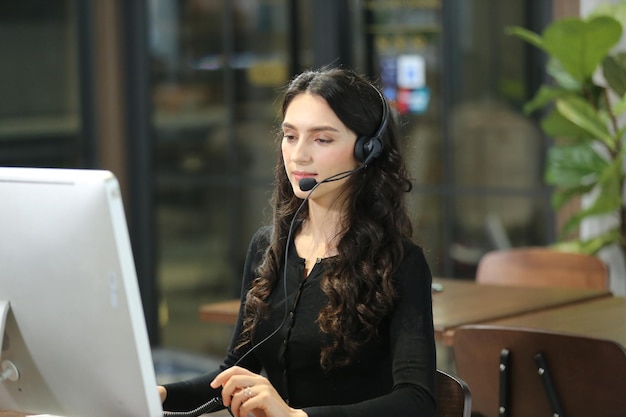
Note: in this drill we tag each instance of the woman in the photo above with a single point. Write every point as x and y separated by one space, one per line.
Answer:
336 300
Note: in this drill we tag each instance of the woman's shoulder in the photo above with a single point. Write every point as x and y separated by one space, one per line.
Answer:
263 233
259 243
414 259
412 249
414 276
261 238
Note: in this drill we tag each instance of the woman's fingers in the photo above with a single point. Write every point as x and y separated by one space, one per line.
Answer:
237 384
238 400
247 393
254 401
224 376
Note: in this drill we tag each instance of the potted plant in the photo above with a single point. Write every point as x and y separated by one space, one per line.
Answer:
585 114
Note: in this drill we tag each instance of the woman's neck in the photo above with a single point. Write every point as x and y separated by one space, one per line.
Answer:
318 236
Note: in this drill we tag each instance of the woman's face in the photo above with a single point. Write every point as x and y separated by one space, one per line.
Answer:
316 144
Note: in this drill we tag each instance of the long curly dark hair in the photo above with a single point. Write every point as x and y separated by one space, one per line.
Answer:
358 283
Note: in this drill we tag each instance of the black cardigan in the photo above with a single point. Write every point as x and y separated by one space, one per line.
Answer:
394 375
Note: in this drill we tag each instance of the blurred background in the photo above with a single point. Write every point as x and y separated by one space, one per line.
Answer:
179 99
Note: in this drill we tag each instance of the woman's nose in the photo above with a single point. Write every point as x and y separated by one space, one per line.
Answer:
300 152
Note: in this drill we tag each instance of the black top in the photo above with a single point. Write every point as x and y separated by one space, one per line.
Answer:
394 375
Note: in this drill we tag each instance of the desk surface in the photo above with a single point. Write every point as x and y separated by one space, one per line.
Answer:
221 312
466 302
461 302
8 413
603 318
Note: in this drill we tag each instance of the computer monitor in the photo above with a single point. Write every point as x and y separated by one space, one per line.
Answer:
71 318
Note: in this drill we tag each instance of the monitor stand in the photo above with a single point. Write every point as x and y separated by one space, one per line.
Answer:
8 370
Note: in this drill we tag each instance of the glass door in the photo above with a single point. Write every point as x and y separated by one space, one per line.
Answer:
216 68
495 162
405 44
459 83
39 84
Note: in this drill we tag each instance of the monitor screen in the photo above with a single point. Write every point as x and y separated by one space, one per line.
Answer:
72 328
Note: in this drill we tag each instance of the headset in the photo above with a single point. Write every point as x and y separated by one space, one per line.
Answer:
367 148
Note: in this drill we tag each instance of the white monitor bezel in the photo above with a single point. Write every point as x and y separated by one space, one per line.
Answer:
75 328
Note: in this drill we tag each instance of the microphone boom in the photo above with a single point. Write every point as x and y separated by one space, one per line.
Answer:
308 184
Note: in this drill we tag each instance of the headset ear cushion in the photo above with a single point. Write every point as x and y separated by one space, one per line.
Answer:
361 148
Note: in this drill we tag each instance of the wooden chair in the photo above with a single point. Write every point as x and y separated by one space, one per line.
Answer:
515 372
542 267
453 396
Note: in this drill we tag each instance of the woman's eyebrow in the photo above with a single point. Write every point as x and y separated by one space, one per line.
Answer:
323 128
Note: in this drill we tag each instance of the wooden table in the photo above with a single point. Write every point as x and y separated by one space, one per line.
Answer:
225 312
461 302
603 318
9 413
466 302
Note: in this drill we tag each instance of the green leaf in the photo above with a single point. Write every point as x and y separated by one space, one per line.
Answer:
582 119
608 198
560 196
618 108
574 165
579 112
526 35
593 246
598 209
612 173
614 70
580 45
574 245
621 132
544 96
557 126
617 11
563 78
590 246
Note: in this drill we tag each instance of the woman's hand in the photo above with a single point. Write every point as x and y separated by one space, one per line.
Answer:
250 394
162 393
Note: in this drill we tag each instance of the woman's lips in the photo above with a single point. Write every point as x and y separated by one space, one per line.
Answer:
297 175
